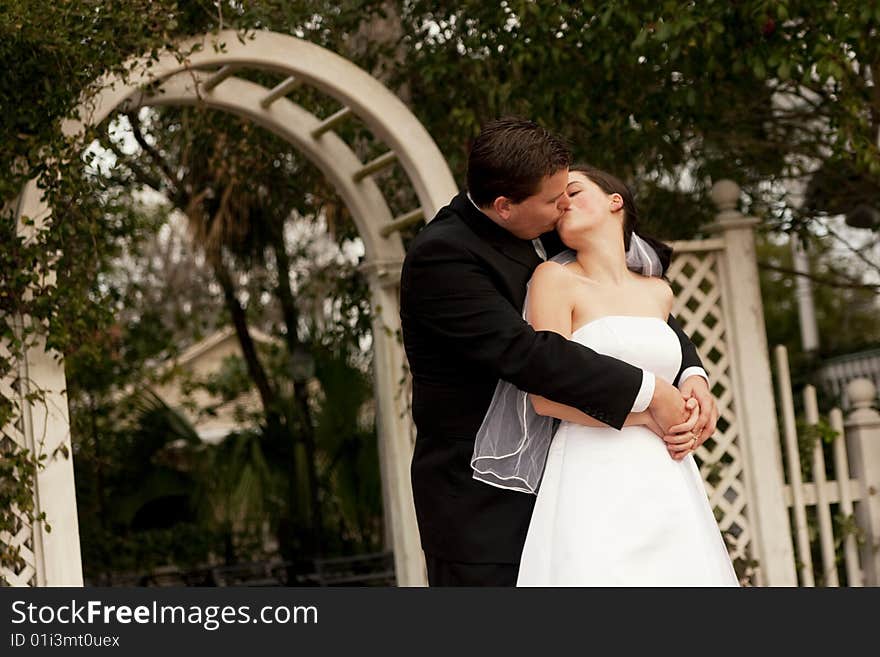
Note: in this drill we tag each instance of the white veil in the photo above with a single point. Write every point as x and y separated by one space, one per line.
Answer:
511 447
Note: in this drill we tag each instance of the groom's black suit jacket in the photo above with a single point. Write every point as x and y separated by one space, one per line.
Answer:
462 291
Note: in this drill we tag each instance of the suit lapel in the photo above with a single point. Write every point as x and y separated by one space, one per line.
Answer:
521 251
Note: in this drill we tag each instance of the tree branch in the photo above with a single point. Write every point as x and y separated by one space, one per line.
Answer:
856 251
819 279
154 154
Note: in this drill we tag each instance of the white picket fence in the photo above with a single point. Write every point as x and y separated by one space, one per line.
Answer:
834 511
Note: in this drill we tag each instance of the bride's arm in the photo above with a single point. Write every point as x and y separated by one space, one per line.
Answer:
550 306
549 408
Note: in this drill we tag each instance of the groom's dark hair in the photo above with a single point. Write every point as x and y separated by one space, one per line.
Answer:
510 157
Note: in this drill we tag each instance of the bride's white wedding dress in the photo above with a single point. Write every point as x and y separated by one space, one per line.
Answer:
613 508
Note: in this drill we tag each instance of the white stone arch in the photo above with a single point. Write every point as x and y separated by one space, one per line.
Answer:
207 77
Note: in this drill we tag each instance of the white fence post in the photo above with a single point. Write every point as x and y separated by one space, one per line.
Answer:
755 406
863 445
796 484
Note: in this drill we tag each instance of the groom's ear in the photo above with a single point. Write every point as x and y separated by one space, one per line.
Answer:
501 205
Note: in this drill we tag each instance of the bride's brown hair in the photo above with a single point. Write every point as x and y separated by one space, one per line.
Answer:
613 185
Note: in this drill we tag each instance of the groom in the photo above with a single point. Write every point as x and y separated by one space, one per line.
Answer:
462 291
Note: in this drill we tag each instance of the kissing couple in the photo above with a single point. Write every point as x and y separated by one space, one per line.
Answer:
557 401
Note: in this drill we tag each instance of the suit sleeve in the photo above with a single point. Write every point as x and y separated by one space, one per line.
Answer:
451 295
689 356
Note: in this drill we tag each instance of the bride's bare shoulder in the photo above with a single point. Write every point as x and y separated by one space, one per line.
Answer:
661 290
551 282
549 274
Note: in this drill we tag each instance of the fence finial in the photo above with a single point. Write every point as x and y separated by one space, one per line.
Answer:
862 392
725 194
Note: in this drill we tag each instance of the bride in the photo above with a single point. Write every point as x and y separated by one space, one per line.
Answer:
614 508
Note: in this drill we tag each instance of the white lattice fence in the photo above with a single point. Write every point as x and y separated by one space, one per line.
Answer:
699 307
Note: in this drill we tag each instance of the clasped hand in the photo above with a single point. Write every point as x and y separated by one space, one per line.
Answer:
697 415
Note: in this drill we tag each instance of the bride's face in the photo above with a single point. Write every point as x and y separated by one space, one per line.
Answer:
589 208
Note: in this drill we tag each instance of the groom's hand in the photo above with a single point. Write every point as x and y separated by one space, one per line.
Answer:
696 387
667 406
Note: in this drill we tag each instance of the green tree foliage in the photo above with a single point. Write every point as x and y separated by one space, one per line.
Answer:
670 95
